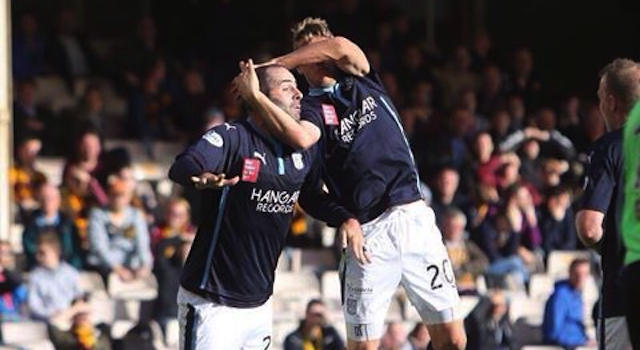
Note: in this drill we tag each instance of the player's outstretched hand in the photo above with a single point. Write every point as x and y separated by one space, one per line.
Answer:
351 236
245 84
209 180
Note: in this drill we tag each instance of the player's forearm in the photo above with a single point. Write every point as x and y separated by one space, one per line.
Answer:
281 124
344 53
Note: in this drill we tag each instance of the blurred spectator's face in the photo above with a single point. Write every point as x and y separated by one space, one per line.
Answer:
66 22
453 228
482 43
572 106
593 123
193 83
498 306
90 147
523 62
93 100
146 29
500 122
546 119
49 198
315 316
413 57
531 149
6 256
468 100
562 200
128 178
177 215
47 256
448 182
524 198
390 83
491 78
120 200
28 152
423 94
26 93
516 108
484 146
29 24
578 275
461 121
461 58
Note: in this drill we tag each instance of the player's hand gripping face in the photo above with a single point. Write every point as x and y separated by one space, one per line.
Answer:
209 180
246 84
351 236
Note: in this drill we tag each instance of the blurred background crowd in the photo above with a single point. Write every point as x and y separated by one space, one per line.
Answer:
107 93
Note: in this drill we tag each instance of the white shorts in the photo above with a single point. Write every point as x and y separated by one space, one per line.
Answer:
205 325
406 248
616 334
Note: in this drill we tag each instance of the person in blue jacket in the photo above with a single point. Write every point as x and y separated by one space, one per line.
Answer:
563 322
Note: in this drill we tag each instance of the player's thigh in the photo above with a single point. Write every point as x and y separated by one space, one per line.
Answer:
207 326
427 274
260 335
367 289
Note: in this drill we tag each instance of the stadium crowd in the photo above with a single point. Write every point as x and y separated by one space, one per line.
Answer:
500 157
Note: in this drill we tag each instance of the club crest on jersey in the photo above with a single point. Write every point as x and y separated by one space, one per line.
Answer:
330 115
214 138
297 161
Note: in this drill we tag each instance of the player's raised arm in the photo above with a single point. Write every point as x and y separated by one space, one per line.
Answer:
346 55
292 131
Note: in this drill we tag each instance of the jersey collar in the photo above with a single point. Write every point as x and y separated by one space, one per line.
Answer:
319 91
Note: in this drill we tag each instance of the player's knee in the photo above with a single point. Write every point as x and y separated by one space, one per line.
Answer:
453 342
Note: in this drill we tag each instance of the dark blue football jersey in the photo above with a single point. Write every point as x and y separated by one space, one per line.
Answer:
369 164
243 227
603 193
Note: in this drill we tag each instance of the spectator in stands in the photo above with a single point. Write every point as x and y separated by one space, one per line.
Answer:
492 91
27 48
314 333
137 54
563 323
90 114
24 176
193 103
446 194
457 76
151 106
13 294
69 54
48 219
395 338
83 163
172 253
118 236
523 78
176 223
419 337
488 326
556 221
54 291
30 119
82 335
467 259
500 242
77 200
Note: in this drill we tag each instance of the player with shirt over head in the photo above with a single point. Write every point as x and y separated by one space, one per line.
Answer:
370 168
227 280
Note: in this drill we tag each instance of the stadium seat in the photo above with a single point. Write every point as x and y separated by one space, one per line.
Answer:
138 289
24 332
172 334
540 286
541 347
91 282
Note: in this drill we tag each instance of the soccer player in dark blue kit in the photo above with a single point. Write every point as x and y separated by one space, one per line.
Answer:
598 220
227 280
370 168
